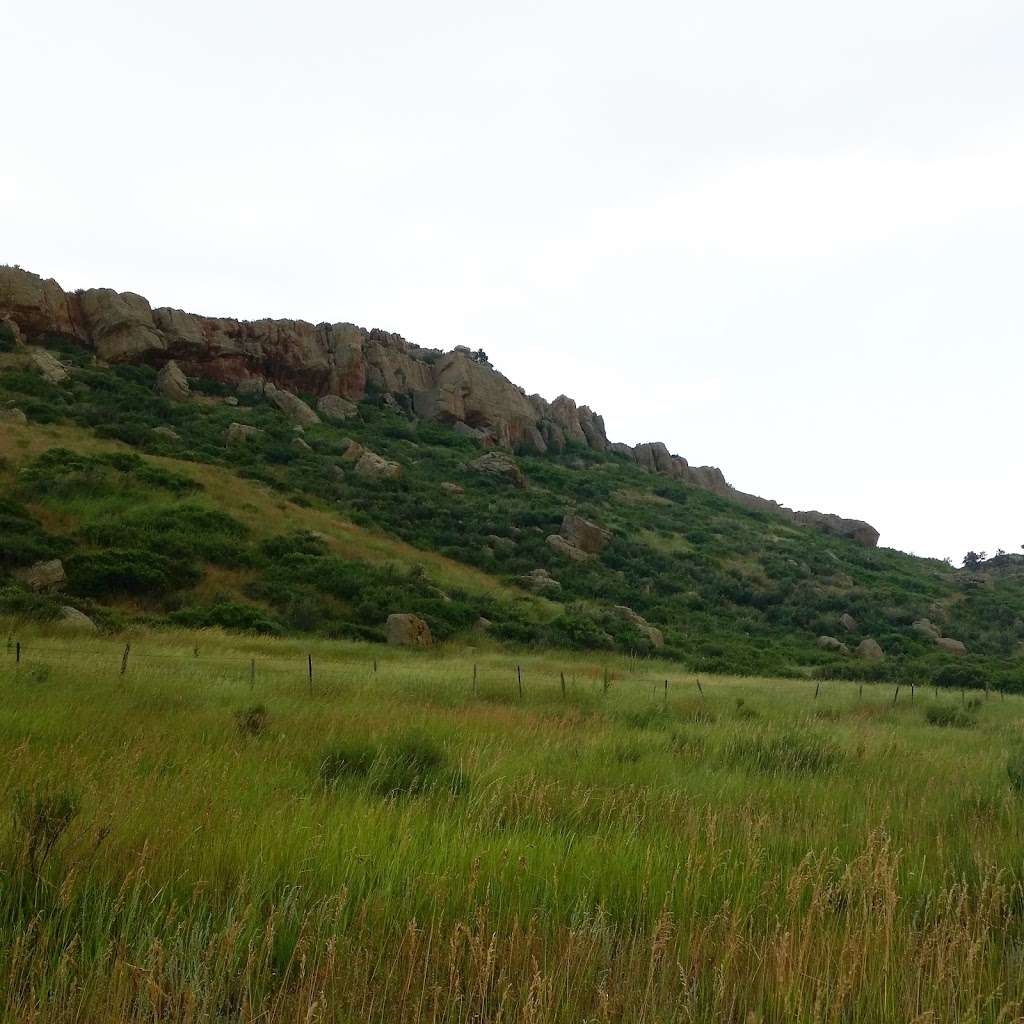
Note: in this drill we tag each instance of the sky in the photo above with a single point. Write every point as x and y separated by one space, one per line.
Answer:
785 238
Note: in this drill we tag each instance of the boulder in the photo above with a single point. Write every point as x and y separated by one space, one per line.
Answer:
120 325
870 649
583 534
48 365
561 546
301 444
8 414
473 433
291 405
499 465
408 630
169 432
653 634
336 409
43 575
35 305
950 646
848 622
231 400
830 643
540 581
73 620
172 383
240 433
373 467
501 543
926 628
453 489
351 451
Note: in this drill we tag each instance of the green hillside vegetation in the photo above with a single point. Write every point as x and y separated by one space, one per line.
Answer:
162 528
207 837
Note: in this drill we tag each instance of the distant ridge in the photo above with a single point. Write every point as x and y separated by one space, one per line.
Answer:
460 387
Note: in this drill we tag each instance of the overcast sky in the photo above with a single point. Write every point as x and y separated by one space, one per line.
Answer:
785 238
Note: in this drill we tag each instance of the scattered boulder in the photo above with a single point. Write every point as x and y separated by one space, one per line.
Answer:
48 365
373 467
453 489
11 415
336 409
655 635
172 383
231 400
407 630
482 625
73 619
848 622
169 432
870 649
43 575
501 543
561 546
830 643
300 443
950 646
291 405
239 433
926 628
583 534
500 465
351 451
540 581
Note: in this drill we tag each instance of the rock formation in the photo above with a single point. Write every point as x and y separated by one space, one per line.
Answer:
284 357
408 630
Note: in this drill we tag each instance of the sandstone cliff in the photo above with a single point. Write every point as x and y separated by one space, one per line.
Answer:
351 362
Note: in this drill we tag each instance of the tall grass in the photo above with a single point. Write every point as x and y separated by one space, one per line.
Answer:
394 846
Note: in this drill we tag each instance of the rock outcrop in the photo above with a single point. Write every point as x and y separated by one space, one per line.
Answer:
375 467
830 643
583 534
43 575
172 383
652 633
951 646
281 358
499 465
870 649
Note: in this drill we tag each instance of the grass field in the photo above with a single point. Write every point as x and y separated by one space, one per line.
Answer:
186 843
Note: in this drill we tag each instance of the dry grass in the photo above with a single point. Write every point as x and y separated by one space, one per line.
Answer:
613 858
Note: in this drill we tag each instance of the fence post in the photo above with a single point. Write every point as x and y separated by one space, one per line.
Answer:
700 688
474 679
124 658
860 692
309 660
519 676
911 693
17 653
605 687
817 688
252 673
896 695
374 666
561 676
666 693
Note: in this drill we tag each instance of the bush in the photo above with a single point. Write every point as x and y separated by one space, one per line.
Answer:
351 759
40 819
1015 769
136 572
252 720
229 615
948 715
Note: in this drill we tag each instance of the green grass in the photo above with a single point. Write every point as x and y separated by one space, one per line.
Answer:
393 844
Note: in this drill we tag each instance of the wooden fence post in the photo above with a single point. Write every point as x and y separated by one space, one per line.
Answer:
124 658
561 676
252 673
896 695
817 688
309 660
519 676
700 688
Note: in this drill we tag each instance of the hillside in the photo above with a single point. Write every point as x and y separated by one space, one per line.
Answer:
199 492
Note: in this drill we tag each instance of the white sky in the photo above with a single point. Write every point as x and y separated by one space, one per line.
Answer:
785 238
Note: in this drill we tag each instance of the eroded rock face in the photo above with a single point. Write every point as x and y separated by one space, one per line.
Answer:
48 365
407 630
347 362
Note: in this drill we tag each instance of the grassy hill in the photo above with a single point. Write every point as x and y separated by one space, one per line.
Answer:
157 519
189 841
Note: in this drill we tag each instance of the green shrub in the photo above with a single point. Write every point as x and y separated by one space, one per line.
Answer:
351 759
949 715
1015 769
229 615
251 721
135 572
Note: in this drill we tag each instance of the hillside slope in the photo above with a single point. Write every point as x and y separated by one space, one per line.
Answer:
162 510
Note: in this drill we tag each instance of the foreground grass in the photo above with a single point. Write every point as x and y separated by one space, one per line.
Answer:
620 853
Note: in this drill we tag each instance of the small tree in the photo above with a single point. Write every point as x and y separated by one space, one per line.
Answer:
972 560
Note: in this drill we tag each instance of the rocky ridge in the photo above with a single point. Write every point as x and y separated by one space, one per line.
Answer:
348 363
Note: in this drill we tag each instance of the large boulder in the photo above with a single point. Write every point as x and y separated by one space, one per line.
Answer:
336 409
8 414
500 465
374 467
652 633
870 649
830 643
72 620
240 433
407 630
848 622
951 646
291 405
583 534
926 628
172 383
455 490
351 451
120 325
48 365
540 581
561 546
35 305
41 576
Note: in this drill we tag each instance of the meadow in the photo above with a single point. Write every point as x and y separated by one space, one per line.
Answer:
212 835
